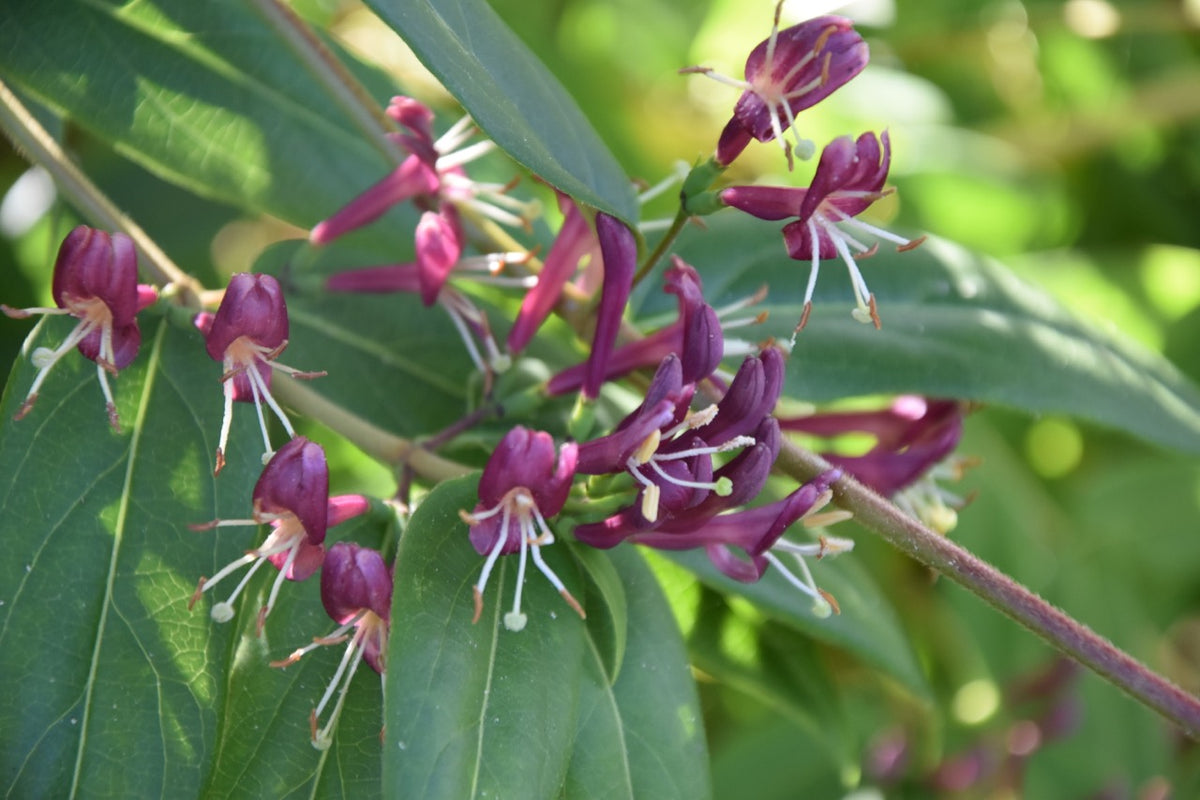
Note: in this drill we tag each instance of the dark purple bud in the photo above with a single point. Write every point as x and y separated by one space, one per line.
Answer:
296 481
253 307
355 579
751 397
618 248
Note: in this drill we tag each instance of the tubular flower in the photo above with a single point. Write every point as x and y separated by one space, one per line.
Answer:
757 533
431 176
697 337
789 71
249 330
575 242
95 281
356 590
848 179
915 438
292 496
618 248
523 483
668 451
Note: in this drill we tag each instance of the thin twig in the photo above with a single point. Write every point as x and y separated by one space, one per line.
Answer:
36 144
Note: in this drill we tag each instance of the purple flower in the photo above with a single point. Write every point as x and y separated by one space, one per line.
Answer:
248 332
789 71
696 337
524 482
914 439
618 248
292 496
356 589
668 450
849 177
95 281
574 242
431 176
757 532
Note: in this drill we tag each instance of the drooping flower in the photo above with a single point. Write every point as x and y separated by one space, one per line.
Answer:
915 438
523 483
789 71
247 334
292 496
849 178
95 281
356 590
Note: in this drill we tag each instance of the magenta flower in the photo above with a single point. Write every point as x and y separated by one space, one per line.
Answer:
574 242
757 532
849 178
789 71
356 589
914 440
523 483
618 248
95 281
431 176
696 337
247 334
292 496
668 451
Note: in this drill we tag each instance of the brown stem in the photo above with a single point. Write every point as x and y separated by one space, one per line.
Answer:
1057 628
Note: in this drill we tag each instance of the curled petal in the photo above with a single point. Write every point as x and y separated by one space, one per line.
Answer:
253 307
296 481
354 579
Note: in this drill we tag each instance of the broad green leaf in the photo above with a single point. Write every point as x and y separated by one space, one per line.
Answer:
476 710
388 358
101 655
867 625
206 95
954 325
641 736
512 97
608 623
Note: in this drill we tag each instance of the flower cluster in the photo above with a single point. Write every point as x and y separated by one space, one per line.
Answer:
790 71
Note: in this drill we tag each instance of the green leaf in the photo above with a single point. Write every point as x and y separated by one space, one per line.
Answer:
867 625
641 736
954 325
206 95
476 710
101 655
608 623
512 97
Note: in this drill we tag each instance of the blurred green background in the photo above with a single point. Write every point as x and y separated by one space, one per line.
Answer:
1061 137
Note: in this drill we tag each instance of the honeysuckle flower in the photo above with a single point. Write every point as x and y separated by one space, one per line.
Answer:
95 281
575 242
523 483
414 278
431 176
915 438
292 496
618 249
668 450
356 590
789 71
247 334
757 533
697 337
848 179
